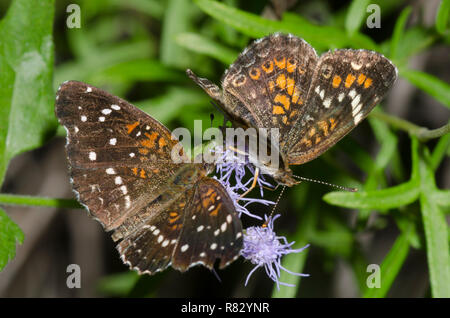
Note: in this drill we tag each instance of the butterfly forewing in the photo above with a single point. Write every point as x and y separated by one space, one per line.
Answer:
345 87
268 83
113 150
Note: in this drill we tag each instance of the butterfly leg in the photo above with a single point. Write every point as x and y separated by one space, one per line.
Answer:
255 179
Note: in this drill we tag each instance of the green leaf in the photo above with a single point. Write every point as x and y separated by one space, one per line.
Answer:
10 235
384 199
390 267
398 31
119 285
170 105
439 151
320 37
436 233
178 18
355 15
430 84
442 16
203 45
26 93
138 70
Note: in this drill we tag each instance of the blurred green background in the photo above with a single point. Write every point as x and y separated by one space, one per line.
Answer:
139 50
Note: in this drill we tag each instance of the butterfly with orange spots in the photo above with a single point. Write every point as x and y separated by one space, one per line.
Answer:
280 82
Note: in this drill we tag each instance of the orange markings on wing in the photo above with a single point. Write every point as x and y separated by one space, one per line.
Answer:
255 73
267 67
324 127
135 171
318 139
307 142
296 96
361 79
142 174
131 127
349 80
143 151
291 65
281 81
280 64
162 142
333 124
271 86
150 142
290 85
278 110
282 99
216 210
368 82
285 120
336 81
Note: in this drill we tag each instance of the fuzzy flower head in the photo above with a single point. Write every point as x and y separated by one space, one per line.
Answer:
231 170
263 247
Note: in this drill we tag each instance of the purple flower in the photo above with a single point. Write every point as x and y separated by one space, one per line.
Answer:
264 248
230 165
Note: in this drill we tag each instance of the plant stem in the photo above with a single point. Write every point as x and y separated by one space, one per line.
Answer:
13 199
422 133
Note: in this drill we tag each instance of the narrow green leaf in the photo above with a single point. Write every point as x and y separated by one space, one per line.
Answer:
320 37
178 18
441 197
355 15
390 267
203 45
119 285
10 235
436 234
428 83
398 31
384 199
26 93
440 151
442 16
170 105
138 70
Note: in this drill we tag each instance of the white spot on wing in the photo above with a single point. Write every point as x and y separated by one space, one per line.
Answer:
92 156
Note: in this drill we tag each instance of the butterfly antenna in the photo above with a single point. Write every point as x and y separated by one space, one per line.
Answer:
275 206
327 184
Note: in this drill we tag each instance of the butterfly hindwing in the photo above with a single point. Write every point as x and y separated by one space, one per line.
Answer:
212 230
345 87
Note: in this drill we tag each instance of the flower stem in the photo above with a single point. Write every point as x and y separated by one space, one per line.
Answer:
13 199
422 133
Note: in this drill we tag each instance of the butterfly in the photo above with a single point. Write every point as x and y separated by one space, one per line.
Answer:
161 212
280 82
